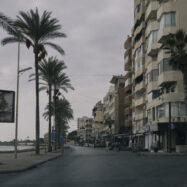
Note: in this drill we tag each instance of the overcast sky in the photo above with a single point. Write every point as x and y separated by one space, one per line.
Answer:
96 31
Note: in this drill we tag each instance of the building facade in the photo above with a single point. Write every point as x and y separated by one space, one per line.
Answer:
118 82
84 129
109 108
159 109
128 87
98 127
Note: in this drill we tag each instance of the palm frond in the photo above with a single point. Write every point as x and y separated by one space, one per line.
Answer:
6 22
9 40
56 47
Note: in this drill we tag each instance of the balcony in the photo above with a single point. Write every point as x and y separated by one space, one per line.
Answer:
151 25
139 72
152 86
153 49
140 86
166 32
128 75
139 42
128 88
151 11
128 66
127 44
140 101
127 53
139 116
169 77
172 97
139 28
137 2
168 6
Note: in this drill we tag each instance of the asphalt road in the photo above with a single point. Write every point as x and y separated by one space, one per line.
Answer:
89 167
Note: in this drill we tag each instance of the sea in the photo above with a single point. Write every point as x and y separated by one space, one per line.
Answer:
11 148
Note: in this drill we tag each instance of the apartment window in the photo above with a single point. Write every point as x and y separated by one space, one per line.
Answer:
168 20
152 37
138 8
153 75
164 66
139 64
161 111
149 114
178 109
155 94
139 51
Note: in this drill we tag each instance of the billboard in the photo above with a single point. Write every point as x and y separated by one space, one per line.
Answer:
7 106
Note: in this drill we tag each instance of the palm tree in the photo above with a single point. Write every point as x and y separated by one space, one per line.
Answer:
63 113
5 21
49 70
176 46
36 31
62 82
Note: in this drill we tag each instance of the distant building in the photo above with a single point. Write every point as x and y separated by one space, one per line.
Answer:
109 107
118 82
84 131
98 127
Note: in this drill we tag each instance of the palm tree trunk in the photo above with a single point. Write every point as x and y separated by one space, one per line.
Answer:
185 85
49 132
55 119
59 134
37 107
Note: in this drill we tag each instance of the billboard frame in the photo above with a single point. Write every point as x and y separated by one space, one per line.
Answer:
13 106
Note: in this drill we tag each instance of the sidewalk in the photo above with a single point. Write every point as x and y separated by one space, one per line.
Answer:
160 154
25 160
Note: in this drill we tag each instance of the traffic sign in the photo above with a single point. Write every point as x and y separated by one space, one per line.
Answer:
53 135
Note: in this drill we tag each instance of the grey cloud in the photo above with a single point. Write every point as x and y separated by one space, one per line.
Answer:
96 32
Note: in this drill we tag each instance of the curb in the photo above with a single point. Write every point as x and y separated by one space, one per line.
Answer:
169 154
30 167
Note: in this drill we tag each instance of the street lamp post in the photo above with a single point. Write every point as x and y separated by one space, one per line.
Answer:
17 99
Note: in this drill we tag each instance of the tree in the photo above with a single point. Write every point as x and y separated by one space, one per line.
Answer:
5 21
36 31
49 70
72 135
64 114
176 46
62 82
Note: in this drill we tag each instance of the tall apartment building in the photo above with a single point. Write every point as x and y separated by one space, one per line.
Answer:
159 110
128 87
98 127
84 128
109 107
118 82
